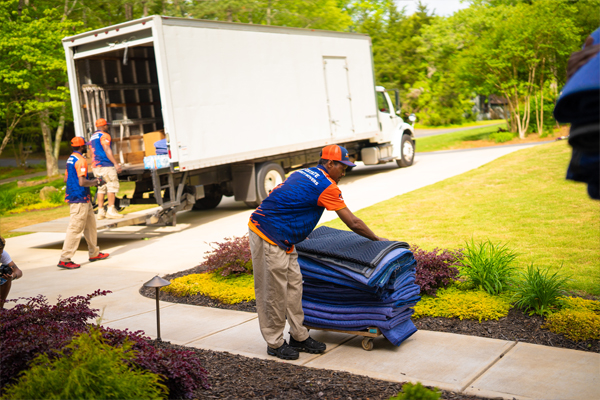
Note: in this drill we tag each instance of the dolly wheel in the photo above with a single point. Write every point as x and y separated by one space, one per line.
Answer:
367 344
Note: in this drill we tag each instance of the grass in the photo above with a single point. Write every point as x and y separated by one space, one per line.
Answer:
521 199
9 222
465 125
479 137
12 172
452 140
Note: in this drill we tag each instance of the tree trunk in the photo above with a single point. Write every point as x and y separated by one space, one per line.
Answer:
59 132
9 132
51 162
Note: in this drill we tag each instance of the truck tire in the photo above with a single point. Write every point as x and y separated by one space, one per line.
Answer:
212 198
268 176
407 152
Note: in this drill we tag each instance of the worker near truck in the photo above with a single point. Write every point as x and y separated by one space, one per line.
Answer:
104 165
286 217
82 219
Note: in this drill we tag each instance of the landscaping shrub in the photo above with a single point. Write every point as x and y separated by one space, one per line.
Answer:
181 370
57 197
578 320
487 265
35 328
231 256
230 289
578 303
455 303
87 368
435 269
26 199
502 136
577 325
538 291
416 392
7 199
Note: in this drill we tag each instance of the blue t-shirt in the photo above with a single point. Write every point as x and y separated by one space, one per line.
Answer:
76 167
99 157
293 209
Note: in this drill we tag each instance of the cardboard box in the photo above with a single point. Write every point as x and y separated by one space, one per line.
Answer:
136 143
135 157
149 139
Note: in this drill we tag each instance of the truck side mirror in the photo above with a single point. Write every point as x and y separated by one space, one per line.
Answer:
412 117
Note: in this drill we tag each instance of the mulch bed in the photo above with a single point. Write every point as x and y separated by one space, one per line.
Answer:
237 377
233 376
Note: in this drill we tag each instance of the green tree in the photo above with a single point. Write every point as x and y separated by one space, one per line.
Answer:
32 70
514 49
313 14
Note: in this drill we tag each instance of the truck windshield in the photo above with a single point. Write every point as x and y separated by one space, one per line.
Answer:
382 103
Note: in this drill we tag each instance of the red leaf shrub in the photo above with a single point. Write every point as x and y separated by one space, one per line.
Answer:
435 269
36 327
232 256
181 369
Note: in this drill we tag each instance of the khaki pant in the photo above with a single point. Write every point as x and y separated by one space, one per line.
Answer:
82 220
110 176
278 288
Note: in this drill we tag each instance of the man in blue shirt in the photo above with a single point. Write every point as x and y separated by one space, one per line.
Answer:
82 220
286 217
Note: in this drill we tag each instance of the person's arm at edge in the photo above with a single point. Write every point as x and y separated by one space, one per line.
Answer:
357 225
16 274
88 183
111 157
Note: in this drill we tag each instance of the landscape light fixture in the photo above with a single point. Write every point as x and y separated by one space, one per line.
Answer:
157 282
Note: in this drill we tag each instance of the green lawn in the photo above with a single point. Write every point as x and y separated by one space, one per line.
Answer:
449 140
467 124
12 172
8 221
521 199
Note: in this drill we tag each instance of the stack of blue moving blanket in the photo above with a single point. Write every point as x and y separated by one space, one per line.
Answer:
352 283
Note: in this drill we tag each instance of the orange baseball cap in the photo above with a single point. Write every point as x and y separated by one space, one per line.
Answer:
336 153
101 122
77 141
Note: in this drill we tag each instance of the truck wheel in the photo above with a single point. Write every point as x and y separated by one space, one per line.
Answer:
407 152
268 176
212 198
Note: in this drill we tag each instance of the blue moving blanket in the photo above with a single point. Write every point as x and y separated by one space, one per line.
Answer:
360 254
352 283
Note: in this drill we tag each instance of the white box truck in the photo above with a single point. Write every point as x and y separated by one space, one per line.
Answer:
240 105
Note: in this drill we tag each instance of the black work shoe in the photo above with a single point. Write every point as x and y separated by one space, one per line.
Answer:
310 345
285 352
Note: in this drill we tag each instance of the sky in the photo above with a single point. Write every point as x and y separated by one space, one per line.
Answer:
442 7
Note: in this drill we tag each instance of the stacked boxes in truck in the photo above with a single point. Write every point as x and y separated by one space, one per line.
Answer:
240 105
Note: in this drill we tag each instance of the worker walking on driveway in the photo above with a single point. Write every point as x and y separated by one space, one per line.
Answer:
286 217
82 218
104 165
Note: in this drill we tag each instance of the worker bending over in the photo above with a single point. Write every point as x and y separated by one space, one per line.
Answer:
82 218
104 165
286 217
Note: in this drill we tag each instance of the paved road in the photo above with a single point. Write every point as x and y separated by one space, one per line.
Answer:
464 364
420 133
